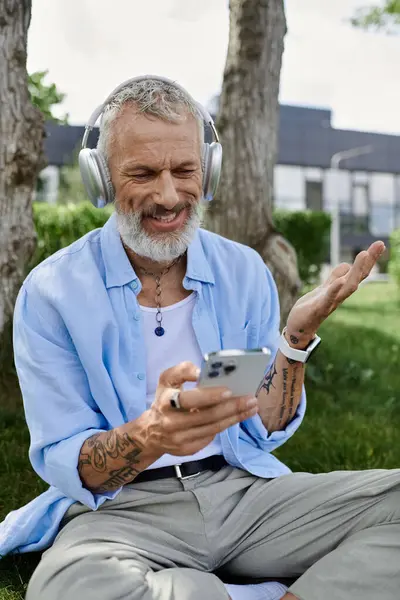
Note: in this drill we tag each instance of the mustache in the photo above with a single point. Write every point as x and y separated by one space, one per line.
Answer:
157 210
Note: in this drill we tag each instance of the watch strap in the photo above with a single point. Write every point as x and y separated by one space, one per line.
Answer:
294 354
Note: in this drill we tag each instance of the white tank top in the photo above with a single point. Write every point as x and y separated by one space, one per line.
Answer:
178 344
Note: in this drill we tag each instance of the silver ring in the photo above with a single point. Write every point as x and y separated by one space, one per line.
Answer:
174 401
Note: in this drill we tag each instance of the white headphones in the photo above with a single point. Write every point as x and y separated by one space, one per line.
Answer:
94 169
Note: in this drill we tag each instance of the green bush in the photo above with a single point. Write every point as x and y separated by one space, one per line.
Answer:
394 263
308 232
58 225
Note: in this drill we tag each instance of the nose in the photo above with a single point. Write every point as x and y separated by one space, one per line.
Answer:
167 193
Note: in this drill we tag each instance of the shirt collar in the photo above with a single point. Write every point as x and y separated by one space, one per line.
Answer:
119 270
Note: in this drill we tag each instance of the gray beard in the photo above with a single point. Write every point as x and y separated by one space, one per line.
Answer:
160 247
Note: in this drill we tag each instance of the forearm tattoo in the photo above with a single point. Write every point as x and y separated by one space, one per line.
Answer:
100 452
287 406
268 380
284 395
118 477
282 389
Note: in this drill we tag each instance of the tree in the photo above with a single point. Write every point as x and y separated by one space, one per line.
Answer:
21 153
44 96
248 124
385 16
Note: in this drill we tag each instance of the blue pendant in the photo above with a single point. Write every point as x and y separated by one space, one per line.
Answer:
159 331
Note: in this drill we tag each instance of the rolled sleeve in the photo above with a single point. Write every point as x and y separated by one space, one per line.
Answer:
59 408
270 441
60 467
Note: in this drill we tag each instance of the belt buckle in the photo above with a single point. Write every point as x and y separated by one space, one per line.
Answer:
182 477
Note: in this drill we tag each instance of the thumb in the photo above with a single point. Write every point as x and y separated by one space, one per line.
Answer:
176 376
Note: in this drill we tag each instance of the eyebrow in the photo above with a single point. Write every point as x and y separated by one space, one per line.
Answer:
136 166
132 166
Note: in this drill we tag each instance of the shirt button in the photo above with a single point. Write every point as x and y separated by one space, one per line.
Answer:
141 376
134 285
136 317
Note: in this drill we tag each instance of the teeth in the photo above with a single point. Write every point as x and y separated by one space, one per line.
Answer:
166 218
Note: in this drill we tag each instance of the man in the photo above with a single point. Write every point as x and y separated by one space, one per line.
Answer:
109 335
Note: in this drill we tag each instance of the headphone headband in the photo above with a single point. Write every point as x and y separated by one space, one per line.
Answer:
100 109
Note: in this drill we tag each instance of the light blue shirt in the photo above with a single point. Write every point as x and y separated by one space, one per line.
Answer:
80 358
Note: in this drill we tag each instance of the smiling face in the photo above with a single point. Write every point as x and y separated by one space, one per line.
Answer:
155 168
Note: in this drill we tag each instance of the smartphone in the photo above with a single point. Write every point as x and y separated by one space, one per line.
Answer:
241 371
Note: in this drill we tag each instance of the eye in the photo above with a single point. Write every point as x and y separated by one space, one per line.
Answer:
184 172
142 176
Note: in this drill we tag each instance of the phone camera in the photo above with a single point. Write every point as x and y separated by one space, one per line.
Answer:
229 368
216 365
213 373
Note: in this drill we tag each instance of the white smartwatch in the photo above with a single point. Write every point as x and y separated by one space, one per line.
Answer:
298 355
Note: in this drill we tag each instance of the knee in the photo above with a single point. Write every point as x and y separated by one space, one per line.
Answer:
43 580
71 573
56 576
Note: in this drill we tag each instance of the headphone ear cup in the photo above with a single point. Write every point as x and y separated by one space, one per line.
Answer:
108 187
211 163
96 177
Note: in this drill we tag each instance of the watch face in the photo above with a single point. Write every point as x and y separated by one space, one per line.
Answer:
313 346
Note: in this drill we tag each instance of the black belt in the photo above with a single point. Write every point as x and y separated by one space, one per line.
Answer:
183 470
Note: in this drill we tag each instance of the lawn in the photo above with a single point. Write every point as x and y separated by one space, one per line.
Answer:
353 419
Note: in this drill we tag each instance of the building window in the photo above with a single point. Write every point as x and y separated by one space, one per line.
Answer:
360 200
382 204
337 190
360 177
314 195
356 220
289 187
313 174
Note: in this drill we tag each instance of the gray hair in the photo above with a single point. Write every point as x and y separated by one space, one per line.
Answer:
152 97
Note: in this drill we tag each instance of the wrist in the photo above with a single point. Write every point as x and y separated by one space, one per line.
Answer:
142 431
299 340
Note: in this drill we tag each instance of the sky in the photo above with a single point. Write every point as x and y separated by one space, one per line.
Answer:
90 46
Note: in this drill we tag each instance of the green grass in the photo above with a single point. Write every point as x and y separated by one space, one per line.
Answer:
353 389
353 418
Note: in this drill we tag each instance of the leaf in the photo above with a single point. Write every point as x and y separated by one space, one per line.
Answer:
44 96
385 17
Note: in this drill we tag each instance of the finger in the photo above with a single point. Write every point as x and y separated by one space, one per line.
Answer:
215 414
344 280
200 398
214 428
337 272
360 270
332 292
366 259
377 249
176 376
374 252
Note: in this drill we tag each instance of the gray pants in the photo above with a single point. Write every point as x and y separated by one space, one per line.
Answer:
337 533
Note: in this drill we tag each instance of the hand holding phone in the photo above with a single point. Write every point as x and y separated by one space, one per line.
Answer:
202 413
239 370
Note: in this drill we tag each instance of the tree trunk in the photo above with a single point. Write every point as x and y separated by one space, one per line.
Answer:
248 124
21 153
